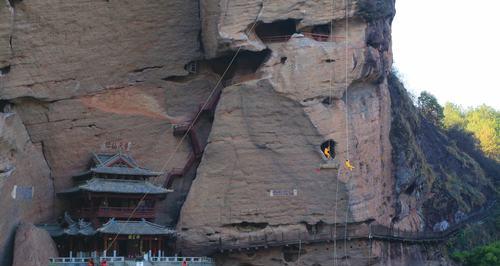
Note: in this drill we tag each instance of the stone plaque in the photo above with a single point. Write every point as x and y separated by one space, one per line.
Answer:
283 192
22 192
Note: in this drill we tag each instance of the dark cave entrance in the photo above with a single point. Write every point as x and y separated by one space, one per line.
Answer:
328 149
277 31
324 29
245 63
4 70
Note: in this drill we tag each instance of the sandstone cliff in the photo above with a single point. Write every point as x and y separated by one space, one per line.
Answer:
78 77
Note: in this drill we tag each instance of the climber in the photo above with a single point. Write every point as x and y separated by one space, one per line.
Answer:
348 165
326 151
90 262
104 262
184 263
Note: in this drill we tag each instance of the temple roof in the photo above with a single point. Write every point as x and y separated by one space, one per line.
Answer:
118 164
100 185
113 226
141 227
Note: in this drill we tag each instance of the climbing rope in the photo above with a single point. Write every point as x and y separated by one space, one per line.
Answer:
332 81
347 163
335 219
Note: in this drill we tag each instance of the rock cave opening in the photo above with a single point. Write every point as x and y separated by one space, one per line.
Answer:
13 3
411 188
315 228
5 106
4 70
276 31
246 63
291 253
328 100
323 29
328 149
249 226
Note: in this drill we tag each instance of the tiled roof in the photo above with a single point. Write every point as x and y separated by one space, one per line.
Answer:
141 227
74 228
118 186
104 164
80 228
106 159
124 171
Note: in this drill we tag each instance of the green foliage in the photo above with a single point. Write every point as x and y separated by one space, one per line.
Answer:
430 108
454 116
481 256
483 122
476 234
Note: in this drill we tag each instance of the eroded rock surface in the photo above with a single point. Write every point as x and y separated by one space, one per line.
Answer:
78 77
62 50
33 246
267 132
26 187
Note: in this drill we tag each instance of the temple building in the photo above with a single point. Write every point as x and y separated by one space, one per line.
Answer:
112 212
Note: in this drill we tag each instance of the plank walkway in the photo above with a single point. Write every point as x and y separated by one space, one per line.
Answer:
356 232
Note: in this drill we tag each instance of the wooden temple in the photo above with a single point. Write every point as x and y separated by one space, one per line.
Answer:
112 211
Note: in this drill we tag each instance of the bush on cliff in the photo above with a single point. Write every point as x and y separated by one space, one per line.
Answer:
481 256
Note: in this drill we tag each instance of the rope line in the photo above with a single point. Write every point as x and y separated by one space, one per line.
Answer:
332 83
335 219
346 2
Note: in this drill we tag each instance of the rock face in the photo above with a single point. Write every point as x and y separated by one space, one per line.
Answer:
267 131
33 246
437 179
92 76
78 77
26 187
65 50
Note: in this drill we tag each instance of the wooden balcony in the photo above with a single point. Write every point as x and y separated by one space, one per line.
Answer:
117 212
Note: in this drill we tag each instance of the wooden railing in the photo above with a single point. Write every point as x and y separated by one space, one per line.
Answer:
181 259
118 212
188 127
167 261
332 233
315 36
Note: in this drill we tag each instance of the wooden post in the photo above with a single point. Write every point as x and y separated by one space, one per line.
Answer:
149 246
159 244
105 242
71 244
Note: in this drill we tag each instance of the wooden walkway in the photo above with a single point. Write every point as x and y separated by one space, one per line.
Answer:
353 232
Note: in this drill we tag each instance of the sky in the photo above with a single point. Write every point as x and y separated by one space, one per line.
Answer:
450 48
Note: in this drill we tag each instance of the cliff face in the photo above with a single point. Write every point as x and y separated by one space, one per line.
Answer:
437 179
268 127
89 76
80 77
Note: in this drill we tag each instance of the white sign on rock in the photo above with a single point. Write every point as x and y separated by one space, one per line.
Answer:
283 193
22 192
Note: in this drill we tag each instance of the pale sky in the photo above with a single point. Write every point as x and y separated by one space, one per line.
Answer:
450 48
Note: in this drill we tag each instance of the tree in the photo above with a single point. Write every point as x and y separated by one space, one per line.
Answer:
430 108
481 256
454 116
484 123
